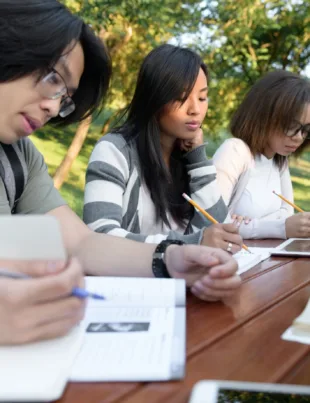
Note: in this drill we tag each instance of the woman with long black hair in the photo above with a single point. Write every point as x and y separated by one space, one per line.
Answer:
137 173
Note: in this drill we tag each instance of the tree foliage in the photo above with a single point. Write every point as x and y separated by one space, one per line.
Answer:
245 39
240 41
131 28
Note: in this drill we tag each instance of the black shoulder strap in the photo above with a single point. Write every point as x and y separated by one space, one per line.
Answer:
18 174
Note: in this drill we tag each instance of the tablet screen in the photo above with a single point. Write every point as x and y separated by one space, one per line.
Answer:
245 396
298 245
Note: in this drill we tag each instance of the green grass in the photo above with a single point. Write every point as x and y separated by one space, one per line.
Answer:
53 143
300 173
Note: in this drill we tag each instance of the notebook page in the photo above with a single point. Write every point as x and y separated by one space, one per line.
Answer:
247 260
38 371
133 291
133 343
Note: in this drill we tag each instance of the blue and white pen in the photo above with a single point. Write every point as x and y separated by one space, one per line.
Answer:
76 292
82 293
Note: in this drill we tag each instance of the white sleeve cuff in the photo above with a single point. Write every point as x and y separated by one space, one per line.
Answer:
259 229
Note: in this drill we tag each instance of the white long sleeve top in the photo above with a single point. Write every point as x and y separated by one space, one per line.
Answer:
246 184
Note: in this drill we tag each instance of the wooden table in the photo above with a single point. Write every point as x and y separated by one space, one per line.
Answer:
238 340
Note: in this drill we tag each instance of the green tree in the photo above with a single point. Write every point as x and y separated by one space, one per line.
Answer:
245 39
239 40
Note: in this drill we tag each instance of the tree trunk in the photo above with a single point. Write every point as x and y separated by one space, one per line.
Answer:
105 127
82 130
73 151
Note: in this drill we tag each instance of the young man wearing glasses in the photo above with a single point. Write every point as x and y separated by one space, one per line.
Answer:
55 70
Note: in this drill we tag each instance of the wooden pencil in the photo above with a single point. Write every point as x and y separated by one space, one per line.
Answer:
289 202
207 215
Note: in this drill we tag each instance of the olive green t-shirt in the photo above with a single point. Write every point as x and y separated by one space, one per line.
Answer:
39 195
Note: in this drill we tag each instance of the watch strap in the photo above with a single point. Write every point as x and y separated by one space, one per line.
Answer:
158 264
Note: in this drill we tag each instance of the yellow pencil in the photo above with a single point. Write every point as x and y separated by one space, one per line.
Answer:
289 202
207 215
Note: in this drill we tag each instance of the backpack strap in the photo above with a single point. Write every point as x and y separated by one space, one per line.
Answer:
13 171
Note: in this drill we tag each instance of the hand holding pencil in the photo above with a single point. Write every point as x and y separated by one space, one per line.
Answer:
297 225
224 236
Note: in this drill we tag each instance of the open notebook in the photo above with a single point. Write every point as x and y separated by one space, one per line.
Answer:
248 260
136 334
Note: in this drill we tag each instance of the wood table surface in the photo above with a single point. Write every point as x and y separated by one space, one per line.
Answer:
239 339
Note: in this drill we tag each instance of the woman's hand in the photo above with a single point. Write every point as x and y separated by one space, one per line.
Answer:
239 219
223 236
298 226
211 273
189 145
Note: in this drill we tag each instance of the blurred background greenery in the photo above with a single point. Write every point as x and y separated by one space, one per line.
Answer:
239 40
54 147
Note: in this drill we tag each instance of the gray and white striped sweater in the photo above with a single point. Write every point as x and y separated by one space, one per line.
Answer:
113 198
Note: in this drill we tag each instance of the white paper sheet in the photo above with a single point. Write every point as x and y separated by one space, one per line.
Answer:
126 344
299 331
137 291
290 336
248 260
38 371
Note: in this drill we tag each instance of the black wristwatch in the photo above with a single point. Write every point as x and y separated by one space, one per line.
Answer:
158 265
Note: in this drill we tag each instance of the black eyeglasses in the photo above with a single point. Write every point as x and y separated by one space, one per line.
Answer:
298 127
53 86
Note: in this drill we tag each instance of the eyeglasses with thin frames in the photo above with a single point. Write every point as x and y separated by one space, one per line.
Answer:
53 86
303 129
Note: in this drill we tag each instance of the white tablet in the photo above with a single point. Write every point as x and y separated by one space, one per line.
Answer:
293 247
237 392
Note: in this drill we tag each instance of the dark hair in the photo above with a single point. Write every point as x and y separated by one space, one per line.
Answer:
33 36
271 105
168 73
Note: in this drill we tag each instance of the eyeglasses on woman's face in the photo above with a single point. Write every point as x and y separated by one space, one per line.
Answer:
299 128
53 86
